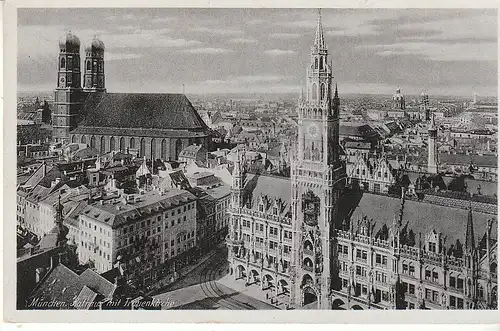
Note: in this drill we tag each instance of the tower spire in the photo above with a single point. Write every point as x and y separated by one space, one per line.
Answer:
469 234
319 40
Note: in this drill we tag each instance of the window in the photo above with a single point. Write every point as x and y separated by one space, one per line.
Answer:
460 283
435 296
427 274
453 281
460 303
428 294
358 270
435 277
405 268
273 244
412 270
385 296
432 247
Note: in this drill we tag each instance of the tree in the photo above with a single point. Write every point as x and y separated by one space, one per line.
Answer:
457 184
437 181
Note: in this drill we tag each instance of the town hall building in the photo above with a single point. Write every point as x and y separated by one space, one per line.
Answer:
313 241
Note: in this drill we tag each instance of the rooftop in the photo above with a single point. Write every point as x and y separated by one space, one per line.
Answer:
115 212
141 110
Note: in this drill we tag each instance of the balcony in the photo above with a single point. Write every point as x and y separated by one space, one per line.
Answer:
308 252
307 268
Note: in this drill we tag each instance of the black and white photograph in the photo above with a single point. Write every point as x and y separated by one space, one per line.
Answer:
278 159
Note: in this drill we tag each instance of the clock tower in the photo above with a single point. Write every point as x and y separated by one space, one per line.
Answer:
318 177
68 94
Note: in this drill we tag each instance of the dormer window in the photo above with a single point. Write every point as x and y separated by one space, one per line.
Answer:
275 211
261 207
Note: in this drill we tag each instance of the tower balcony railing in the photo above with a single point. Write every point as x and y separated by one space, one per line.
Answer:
262 215
409 251
308 252
308 268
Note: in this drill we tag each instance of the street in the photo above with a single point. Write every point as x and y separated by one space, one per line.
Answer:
200 289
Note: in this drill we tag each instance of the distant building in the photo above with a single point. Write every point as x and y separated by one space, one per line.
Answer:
194 153
432 161
398 100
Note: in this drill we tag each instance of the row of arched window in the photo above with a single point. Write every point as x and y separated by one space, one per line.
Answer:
314 91
132 144
88 65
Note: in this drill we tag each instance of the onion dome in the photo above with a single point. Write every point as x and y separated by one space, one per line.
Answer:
95 44
69 43
398 95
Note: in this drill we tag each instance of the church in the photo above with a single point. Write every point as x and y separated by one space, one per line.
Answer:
154 125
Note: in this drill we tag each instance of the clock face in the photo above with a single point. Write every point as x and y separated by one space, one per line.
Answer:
312 130
62 80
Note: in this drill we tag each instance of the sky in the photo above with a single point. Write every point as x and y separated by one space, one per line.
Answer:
373 51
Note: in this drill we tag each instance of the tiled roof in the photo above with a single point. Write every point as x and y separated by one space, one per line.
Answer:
462 159
63 286
141 110
422 217
140 132
272 186
85 298
357 145
115 213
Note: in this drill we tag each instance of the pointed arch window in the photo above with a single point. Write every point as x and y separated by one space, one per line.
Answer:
112 144
323 91
103 145
178 148
163 151
92 142
122 144
132 142
153 149
73 139
63 63
321 63
316 63
83 140
314 91
88 66
142 149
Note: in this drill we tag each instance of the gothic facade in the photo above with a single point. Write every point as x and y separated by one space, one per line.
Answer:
292 239
282 238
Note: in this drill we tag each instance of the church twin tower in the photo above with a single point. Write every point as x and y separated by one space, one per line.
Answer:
69 94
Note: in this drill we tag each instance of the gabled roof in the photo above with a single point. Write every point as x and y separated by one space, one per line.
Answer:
141 110
63 286
273 187
422 217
